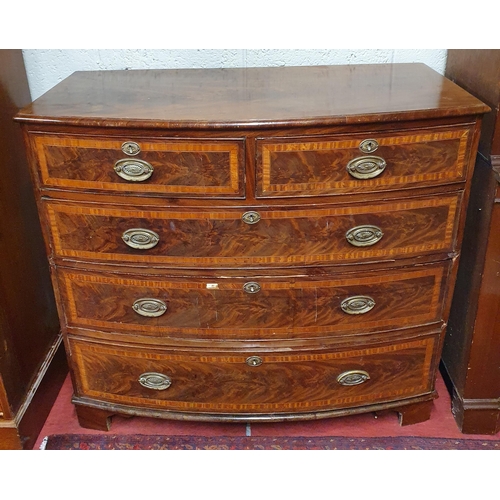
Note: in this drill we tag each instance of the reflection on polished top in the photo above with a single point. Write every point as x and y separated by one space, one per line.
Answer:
248 97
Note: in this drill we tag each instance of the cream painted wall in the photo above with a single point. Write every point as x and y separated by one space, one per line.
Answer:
45 68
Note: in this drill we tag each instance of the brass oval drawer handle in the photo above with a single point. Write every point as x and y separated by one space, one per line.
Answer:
353 377
357 304
364 236
151 308
133 170
251 287
143 239
250 217
366 167
156 381
254 361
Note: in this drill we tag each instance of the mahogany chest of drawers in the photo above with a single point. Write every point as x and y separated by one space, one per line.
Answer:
253 244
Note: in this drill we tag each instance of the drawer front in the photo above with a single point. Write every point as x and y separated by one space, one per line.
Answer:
371 162
193 168
249 309
254 382
224 239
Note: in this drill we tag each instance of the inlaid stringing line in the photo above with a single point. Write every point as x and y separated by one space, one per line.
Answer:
267 149
230 149
427 343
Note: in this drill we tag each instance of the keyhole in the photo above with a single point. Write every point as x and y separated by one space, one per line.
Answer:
251 217
368 145
254 361
251 287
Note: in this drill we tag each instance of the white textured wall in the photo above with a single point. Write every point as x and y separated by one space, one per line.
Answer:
46 68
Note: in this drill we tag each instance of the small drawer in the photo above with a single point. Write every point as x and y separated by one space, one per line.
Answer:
229 238
177 168
266 308
254 382
361 163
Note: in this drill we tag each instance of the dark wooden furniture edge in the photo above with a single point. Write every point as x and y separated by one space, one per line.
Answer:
473 416
22 431
467 289
248 125
470 361
32 365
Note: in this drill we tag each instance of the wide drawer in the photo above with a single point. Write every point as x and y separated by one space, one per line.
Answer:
173 167
253 382
230 237
361 163
270 309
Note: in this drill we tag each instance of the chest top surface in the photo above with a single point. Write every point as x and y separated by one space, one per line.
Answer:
252 97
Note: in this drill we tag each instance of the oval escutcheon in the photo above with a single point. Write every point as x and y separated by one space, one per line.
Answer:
141 239
250 217
254 361
358 304
353 377
131 148
368 146
133 170
156 381
151 308
364 236
251 287
366 167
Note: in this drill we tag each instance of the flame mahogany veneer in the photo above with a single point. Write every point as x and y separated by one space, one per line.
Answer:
253 244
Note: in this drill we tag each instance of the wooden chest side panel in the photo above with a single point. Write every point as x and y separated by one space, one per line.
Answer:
287 238
318 166
4 407
181 167
220 308
282 383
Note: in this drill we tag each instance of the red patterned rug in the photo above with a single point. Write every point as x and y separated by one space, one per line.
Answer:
151 442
